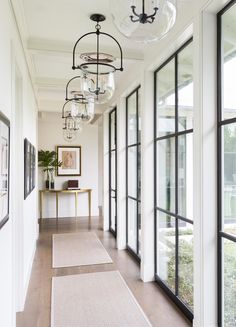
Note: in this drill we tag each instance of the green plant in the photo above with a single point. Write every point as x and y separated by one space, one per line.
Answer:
48 161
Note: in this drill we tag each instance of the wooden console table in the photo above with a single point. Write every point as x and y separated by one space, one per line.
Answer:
57 192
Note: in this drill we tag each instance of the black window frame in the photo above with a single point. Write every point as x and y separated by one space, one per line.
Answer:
137 199
113 150
174 296
221 122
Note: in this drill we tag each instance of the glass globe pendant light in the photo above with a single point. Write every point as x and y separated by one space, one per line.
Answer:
144 20
98 68
71 123
68 135
81 111
80 107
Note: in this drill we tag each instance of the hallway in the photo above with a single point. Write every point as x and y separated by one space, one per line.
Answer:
159 310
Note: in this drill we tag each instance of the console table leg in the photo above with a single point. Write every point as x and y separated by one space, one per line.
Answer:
76 204
41 208
57 205
89 202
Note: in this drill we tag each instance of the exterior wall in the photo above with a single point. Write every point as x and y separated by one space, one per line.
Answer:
198 19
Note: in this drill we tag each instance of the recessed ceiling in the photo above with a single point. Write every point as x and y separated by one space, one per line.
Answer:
53 26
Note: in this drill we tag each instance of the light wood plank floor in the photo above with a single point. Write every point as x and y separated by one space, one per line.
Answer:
159 309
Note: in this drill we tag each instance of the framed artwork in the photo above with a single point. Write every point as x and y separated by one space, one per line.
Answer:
70 156
29 168
4 169
33 157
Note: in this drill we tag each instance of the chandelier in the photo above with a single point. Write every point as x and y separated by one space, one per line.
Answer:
98 67
144 20
69 135
76 105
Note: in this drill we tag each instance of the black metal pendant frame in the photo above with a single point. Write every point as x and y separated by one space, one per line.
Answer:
80 101
143 18
84 66
79 96
65 122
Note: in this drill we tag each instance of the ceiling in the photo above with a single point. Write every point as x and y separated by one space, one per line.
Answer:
52 27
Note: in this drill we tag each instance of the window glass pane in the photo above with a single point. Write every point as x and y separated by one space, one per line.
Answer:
166 249
229 283
112 127
132 171
229 178
229 63
139 172
186 263
113 211
132 119
139 229
185 88
185 176
132 224
113 170
166 174
139 116
165 91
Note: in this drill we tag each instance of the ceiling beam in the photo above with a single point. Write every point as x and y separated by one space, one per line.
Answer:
46 105
43 46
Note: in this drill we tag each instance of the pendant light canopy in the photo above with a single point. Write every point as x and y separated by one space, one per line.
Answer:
98 67
144 20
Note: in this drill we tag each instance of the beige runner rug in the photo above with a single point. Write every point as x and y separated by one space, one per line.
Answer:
94 300
78 249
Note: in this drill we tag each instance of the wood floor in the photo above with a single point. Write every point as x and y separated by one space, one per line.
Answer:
159 309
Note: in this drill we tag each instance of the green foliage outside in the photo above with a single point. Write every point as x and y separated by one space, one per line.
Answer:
229 284
185 264
186 273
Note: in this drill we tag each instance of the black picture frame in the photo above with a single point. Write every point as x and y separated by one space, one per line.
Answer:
29 167
4 169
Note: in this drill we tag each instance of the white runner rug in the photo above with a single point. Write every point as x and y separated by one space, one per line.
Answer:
94 300
78 249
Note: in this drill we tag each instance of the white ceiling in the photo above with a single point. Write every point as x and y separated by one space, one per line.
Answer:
52 28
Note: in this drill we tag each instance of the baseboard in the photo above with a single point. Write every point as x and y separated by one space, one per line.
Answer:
100 210
62 214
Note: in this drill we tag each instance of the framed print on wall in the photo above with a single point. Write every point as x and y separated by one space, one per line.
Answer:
27 164
29 168
4 169
33 158
70 156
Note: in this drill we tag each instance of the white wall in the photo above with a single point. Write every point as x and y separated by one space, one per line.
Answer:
18 235
49 136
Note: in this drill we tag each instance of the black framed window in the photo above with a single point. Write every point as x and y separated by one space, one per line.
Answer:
112 173
133 173
173 165
227 165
